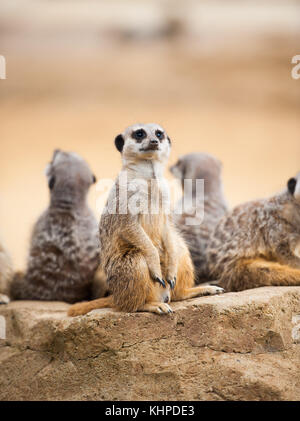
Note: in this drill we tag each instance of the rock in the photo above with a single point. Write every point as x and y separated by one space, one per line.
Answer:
238 346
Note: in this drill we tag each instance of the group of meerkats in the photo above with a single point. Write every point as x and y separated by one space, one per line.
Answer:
139 259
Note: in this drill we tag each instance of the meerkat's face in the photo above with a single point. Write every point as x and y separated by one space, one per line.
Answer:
144 142
68 170
197 166
293 186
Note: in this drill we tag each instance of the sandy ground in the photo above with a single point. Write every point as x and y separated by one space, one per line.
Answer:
245 110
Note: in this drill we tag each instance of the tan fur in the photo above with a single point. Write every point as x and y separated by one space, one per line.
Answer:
259 272
137 249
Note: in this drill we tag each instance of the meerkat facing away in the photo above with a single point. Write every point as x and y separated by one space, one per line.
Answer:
6 273
258 243
64 250
146 261
199 166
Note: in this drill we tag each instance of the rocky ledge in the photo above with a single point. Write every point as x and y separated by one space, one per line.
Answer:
238 346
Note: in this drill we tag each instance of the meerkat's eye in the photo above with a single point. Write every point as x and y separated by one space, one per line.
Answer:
159 134
51 182
139 135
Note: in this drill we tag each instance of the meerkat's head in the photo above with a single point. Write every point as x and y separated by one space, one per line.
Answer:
69 176
144 142
293 186
198 166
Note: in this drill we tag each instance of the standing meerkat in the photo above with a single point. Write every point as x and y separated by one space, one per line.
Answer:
64 249
6 273
199 166
258 243
146 261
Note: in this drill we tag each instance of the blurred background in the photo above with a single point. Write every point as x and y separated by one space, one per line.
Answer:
215 73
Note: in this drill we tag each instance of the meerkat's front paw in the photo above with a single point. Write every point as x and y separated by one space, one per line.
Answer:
158 308
214 290
172 282
4 299
162 308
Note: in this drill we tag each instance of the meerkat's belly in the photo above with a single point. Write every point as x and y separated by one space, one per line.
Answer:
153 225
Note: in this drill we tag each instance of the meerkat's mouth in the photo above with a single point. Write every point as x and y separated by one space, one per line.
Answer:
150 148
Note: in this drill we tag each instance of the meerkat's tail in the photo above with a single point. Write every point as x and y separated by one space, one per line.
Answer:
84 308
253 273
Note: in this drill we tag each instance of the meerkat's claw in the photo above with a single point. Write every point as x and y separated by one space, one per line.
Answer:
164 308
172 282
160 281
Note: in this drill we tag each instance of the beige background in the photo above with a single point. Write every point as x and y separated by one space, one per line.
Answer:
215 74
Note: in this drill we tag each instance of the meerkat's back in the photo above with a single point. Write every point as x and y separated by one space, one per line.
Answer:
258 243
205 211
64 249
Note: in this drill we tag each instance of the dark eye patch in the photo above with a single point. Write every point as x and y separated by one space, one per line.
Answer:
292 185
51 182
159 134
139 135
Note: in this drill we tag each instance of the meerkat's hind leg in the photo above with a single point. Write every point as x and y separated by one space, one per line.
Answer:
4 299
185 286
259 272
199 291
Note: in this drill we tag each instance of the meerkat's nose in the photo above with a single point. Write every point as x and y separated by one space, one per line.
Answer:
153 142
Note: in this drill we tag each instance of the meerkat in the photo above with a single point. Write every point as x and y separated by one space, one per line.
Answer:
145 259
64 250
258 243
199 166
6 273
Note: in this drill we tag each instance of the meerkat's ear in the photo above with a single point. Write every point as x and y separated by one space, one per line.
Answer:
47 170
291 184
94 179
169 140
119 142
55 153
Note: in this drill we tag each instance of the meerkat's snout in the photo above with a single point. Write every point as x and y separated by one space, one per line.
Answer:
153 144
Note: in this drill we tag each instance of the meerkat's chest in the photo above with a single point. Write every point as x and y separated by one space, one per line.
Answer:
148 197
154 225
